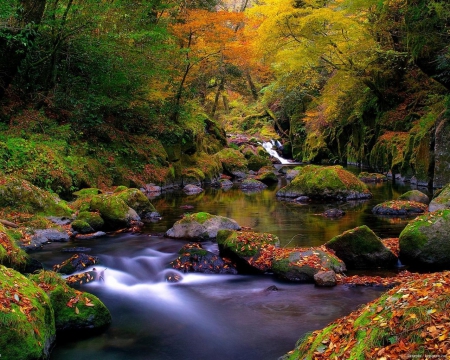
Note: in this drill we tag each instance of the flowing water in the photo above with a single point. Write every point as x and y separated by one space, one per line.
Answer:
217 316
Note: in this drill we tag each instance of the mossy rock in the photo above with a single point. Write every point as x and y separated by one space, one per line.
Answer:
300 265
82 227
416 196
120 188
400 208
201 226
325 182
87 192
361 248
256 162
76 312
442 200
92 218
424 242
252 184
11 255
267 175
252 252
193 258
113 210
380 325
371 177
136 200
27 320
23 196
233 162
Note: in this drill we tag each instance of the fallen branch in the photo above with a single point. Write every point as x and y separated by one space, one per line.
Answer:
8 223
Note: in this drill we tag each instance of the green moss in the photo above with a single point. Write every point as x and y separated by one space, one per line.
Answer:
232 160
24 336
136 200
82 227
87 192
92 218
361 240
10 254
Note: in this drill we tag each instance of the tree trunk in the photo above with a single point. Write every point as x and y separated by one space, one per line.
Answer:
251 84
216 99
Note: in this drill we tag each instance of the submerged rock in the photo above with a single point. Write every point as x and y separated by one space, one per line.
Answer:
329 182
27 319
360 248
333 213
192 189
399 207
193 258
424 242
201 226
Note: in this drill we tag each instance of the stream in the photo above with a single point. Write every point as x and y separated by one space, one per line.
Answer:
219 317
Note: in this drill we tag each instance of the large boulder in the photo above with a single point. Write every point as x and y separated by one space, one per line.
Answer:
24 196
416 196
114 211
252 184
360 248
94 219
400 208
251 251
441 200
425 241
201 226
267 175
135 199
11 255
193 258
76 312
330 182
27 320
301 265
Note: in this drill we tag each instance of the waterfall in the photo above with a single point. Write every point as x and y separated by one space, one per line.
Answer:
268 146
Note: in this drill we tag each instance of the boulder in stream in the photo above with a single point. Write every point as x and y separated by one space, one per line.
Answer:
400 208
233 162
325 182
201 226
416 196
361 248
114 211
441 200
425 242
252 184
77 262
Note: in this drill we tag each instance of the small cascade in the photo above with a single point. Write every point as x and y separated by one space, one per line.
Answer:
269 147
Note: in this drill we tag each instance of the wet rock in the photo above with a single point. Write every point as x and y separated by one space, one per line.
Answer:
325 182
225 183
201 226
291 174
95 235
77 262
52 235
424 242
325 278
251 251
333 213
151 189
416 196
193 258
271 288
300 265
60 220
153 216
82 278
192 189
252 184
76 249
360 248
400 208
302 199
173 277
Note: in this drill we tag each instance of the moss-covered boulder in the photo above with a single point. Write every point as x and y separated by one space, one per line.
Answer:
94 219
256 162
23 196
27 320
233 162
76 312
408 321
300 265
251 251
371 177
193 258
11 255
441 200
400 208
87 192
252 184
201 226
267 175
425 241
416 196
113 210
330 182
77 262
82 227
361 248
135 199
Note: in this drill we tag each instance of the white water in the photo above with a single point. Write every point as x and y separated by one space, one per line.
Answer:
268 146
